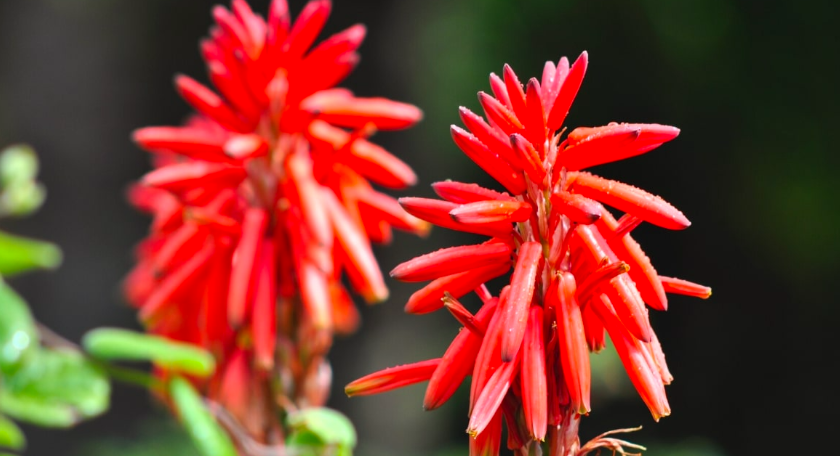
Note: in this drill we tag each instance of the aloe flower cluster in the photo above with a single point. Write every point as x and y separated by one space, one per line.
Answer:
577 274
262 203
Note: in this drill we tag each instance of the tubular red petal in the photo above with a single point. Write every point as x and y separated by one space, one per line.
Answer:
641 269
367 158
245 261
208 103
567 93
489 161
574 357
462 315
629 307
594 329
488 442
194 174
390 211
497 86
578 208
342 42
253 24
176 281
529 157
461 193
458 361
314 290
437 213
352 112
534 118
627 198
235 92
684 287
481 212
428 298
307 189
234 386
234 29
490 137
306 28
549 70
178 247
213 320
488 358
499 115
190 142
653 135
245 146
451 260
514 91
487 406
658 357
278 26
601 145
377 229
647 381
599 278
515 310
362 264
392 378
534 389
327 54
346 318
550 89
625 225
514 422
310 79
264 321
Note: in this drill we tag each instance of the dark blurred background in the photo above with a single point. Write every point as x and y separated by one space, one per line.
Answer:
752 85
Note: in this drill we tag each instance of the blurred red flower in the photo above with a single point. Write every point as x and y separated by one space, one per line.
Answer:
576 270
263 201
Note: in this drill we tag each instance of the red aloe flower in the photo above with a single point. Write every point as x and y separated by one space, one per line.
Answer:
263 201
576 270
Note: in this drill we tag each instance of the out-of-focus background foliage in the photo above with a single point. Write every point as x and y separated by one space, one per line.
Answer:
752 85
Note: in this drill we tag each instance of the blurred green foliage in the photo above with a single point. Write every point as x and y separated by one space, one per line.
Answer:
121 345
318 431
20 193
51 386
201 425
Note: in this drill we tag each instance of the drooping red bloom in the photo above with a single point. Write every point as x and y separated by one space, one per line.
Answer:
263 201
577 272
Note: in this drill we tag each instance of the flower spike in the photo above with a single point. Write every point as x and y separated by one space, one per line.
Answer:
264 202
577 272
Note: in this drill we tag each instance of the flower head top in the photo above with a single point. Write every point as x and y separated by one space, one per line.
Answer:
576 270
263 201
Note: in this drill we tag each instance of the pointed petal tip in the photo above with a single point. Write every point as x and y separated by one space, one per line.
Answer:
584 57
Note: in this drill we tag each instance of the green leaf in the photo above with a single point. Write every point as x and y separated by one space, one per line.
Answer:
55 388
119 344
322 425
206 434
19 254
18 337
10 435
